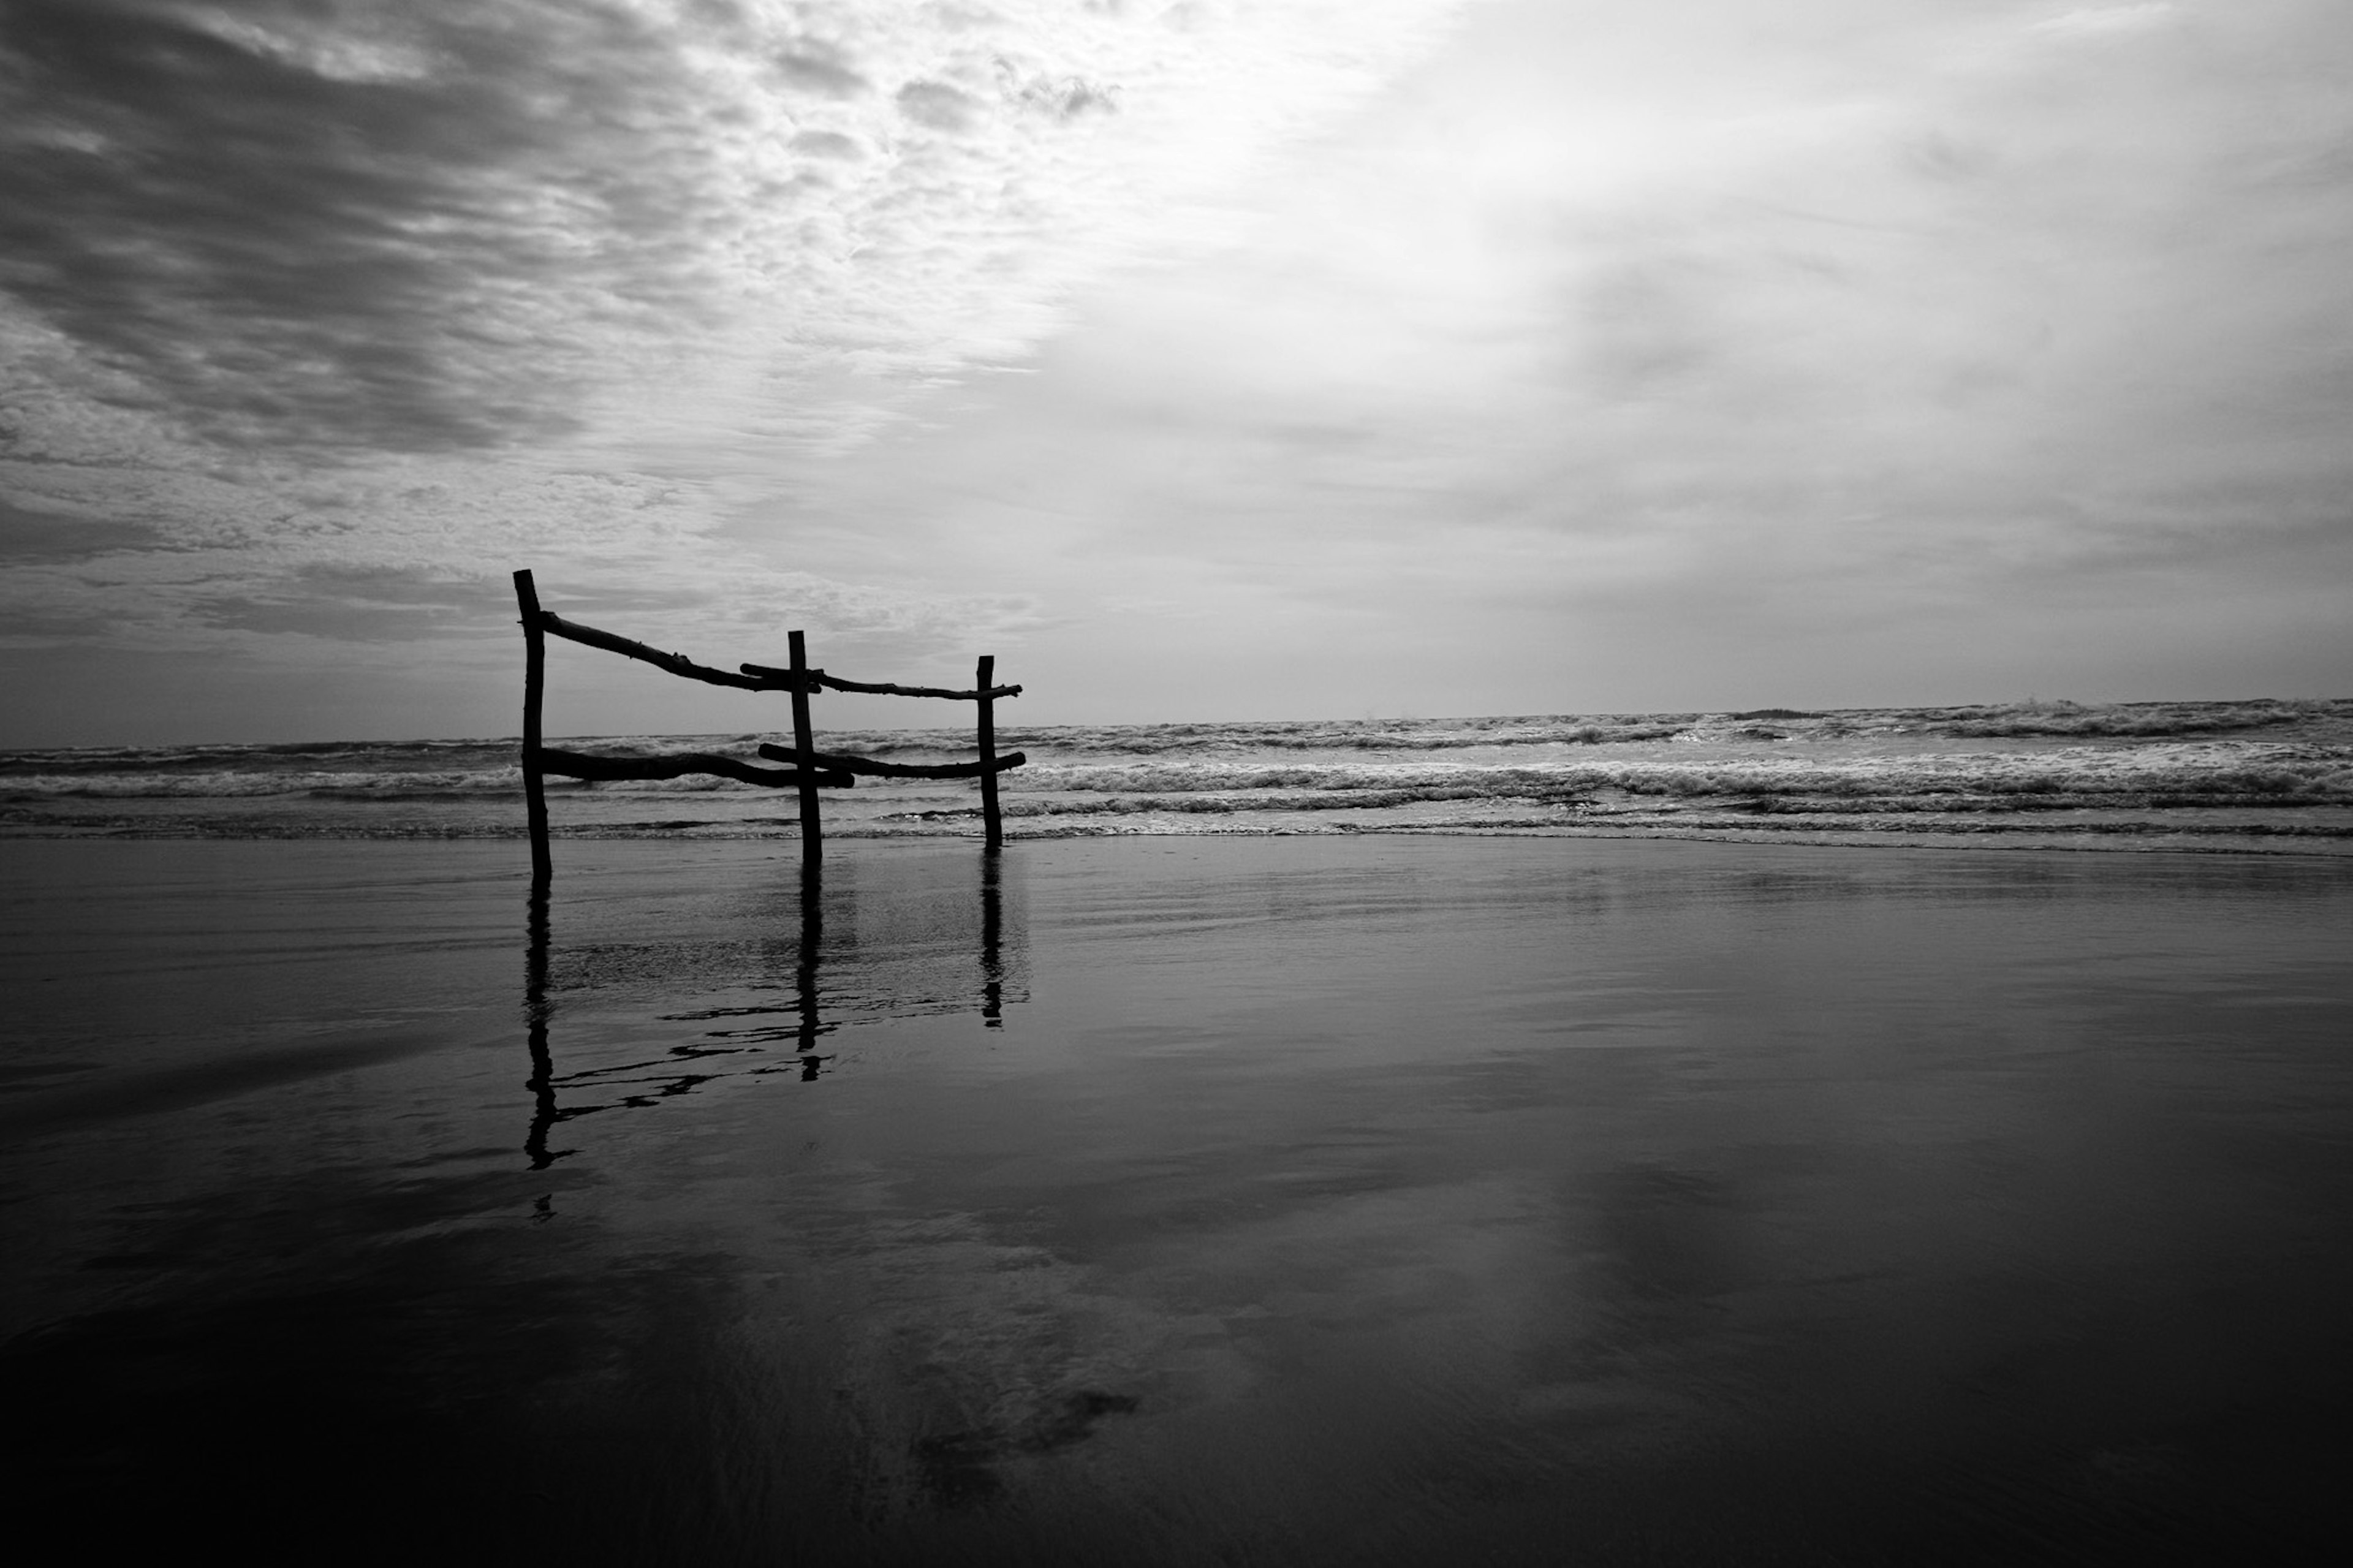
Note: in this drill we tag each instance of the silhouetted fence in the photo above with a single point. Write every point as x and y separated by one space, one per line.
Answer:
812 770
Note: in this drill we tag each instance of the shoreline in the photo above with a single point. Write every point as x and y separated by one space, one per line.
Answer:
2248 777
2329 842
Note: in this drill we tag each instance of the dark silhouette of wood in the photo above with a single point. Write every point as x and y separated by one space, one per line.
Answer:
879 688
674 663
984 677
812 768
534 678
870 768
585 766
804 751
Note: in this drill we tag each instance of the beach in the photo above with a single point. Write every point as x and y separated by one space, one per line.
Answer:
1207 783
1283 1199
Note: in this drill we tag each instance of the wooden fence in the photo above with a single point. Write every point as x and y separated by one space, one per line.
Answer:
812 770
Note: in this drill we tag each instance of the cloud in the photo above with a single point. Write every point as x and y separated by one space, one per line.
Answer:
448 225
937 105
1932 324
303 294
916 322
30 536
291 234
2095 21
365 605
819 75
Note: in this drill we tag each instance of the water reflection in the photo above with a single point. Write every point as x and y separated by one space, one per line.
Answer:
858 952
992 938
1339 1202
804 968
541 1082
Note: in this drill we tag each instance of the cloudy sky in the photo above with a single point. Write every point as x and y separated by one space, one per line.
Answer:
1199 358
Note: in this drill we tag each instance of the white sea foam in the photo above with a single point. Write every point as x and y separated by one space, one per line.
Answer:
2278 769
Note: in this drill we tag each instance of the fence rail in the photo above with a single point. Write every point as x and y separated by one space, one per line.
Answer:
812 770
589 765
674 663
881 688
873 769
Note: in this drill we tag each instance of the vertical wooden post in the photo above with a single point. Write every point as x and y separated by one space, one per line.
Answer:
534 676
985 678
804 754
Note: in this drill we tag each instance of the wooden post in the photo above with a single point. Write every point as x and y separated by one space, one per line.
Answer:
984 678
534 676
804 754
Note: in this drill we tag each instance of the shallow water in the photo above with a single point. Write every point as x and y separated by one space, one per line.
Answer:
1329 1200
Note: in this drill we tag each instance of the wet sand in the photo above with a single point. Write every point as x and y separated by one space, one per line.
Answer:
1267 1201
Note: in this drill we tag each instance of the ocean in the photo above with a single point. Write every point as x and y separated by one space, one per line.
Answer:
2251 776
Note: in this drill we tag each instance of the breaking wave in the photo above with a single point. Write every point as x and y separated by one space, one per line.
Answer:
2267 771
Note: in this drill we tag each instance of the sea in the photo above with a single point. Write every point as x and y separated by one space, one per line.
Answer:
2255 776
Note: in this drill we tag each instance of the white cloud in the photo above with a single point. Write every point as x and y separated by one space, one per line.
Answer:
1811 326
560 284
1906 340
2096 21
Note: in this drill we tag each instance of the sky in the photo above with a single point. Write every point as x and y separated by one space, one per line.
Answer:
1199 359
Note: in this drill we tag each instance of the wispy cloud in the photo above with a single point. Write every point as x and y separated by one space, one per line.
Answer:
1788 336
1943 329
446 225
438 287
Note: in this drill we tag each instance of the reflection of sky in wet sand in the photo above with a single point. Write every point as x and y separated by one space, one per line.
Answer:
1308 1202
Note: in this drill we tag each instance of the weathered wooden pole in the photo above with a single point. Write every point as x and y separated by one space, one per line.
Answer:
984 678
535 676
804 754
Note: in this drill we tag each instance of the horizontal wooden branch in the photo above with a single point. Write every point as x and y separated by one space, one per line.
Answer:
583 766
874 769
883 688
675 663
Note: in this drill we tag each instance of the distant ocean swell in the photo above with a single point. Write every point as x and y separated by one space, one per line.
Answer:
2257 775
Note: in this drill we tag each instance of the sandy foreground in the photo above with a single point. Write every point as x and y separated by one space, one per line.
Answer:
1331 1200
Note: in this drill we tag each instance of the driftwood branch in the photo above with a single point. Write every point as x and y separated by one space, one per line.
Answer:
879 688
675 663
583 766
873 769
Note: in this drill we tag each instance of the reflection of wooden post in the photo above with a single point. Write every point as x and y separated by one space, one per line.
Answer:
541 1082
992 944
805 970
804 754
535 674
